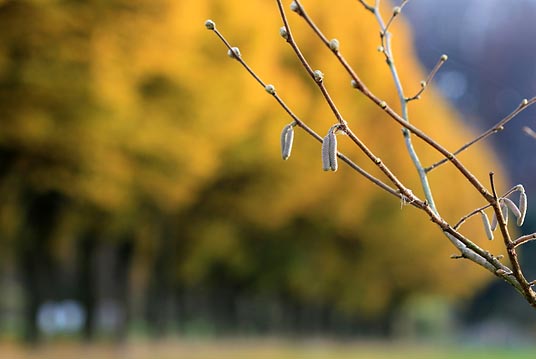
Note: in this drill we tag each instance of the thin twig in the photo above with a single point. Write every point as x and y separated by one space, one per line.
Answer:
476 254
310 131
469 215
524 239
367 6
429 79
396 12
359 85
476 211
528 293
344 127
499 126
305 64
467 248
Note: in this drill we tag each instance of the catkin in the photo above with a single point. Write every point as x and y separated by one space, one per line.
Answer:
487 226
504 211
326 166
329 151
522 208
512 207
287 137
333 151
494 221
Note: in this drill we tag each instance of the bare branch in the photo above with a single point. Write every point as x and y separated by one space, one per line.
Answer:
306 128
298 8
499 126
524 239
468 249
510 247
431 75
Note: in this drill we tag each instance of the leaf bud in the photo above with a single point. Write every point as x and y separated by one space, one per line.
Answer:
234 53
318 76
334 45
270 89
283 32
396 10
500 272
295 7
444 58
210 25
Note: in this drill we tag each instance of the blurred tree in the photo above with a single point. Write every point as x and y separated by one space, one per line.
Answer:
124 123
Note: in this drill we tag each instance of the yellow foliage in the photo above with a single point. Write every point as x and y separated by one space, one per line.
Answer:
142 107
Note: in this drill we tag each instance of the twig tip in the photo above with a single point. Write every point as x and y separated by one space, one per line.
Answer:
295 7
210 25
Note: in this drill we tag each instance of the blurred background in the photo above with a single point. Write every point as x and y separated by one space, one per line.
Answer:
142 193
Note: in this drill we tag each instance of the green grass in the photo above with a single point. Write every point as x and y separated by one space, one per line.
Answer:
257 349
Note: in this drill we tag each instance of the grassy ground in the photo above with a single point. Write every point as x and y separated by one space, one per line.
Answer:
256 349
